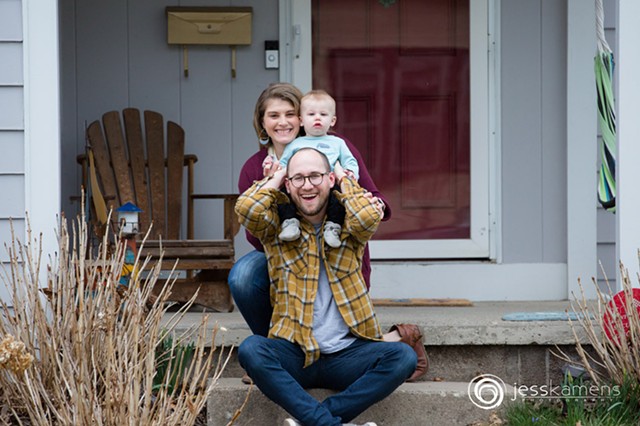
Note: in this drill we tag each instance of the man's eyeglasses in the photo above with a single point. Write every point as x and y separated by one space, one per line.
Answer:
315 179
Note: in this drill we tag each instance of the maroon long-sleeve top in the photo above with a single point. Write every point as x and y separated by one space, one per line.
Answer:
252 171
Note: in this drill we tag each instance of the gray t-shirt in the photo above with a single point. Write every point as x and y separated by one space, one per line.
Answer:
329 329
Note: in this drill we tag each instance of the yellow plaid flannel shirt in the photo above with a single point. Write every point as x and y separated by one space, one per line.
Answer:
294 266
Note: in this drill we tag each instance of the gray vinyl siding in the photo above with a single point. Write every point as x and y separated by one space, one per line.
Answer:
12 182
10 20
534 129
136 67
533 86
128 63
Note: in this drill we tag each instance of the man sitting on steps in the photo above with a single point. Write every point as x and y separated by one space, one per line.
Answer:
324 332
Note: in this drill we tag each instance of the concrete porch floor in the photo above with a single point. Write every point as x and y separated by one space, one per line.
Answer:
480 324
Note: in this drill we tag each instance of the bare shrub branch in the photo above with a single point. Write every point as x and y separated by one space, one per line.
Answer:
83 349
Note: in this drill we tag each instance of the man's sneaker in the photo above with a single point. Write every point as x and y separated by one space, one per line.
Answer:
292 422
290 230
332 234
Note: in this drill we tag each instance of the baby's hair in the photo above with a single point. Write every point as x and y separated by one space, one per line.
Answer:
319 94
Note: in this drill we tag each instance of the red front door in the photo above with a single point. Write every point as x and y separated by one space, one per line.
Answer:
400 77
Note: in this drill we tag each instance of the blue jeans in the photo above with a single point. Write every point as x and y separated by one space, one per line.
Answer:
363 373
249 284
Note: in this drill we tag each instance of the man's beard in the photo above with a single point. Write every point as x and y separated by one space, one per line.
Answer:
321 205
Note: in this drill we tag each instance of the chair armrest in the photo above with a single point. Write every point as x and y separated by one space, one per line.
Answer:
190 159
215 196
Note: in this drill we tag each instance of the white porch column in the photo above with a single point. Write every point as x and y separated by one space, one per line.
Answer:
42 121
581 147
628 129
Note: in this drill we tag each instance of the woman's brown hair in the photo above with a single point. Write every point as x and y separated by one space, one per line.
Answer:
283 91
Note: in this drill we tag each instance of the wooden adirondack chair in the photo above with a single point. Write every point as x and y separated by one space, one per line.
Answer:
154 182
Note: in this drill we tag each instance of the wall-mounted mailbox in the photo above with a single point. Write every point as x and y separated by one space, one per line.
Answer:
209 25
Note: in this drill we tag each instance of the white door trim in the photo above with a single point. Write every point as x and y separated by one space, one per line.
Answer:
42 121
476 281
295 43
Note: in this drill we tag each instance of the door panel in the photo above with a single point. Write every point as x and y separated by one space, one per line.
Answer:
400 76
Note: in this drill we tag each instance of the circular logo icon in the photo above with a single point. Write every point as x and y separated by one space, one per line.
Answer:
486 391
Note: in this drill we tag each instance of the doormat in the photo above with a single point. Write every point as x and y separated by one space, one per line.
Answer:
422 302
544 316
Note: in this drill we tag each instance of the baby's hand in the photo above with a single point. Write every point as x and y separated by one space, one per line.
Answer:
338 171
270 166
266 164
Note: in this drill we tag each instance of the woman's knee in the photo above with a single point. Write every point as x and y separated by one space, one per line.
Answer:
237 277
249 269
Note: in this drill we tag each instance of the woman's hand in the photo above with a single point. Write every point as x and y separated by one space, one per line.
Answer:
377 202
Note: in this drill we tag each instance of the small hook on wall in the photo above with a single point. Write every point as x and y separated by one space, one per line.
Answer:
185 60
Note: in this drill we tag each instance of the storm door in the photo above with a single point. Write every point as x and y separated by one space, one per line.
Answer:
403 77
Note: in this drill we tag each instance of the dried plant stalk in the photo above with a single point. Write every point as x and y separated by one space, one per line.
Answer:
85 352
617 356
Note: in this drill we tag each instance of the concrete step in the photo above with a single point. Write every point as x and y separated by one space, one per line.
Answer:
462 342
514 364
412 404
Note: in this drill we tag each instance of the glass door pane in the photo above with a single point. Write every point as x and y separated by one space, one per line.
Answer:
401 79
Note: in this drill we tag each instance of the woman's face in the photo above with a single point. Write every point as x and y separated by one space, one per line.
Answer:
281 122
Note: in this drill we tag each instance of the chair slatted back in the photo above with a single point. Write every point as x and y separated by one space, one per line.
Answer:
152 182
133 130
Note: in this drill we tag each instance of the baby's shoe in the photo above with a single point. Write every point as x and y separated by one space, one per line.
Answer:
290 230
332 234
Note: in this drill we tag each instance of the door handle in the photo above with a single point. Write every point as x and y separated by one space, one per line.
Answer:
297 40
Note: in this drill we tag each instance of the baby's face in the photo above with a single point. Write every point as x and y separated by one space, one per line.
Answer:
317 115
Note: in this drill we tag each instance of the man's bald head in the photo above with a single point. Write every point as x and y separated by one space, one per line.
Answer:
308 154
310 198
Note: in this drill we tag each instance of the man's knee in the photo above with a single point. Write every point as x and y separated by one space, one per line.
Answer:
249 349
407 360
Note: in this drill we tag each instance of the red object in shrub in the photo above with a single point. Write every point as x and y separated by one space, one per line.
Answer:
617 307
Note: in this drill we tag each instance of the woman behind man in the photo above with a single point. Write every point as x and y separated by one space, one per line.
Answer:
277 123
